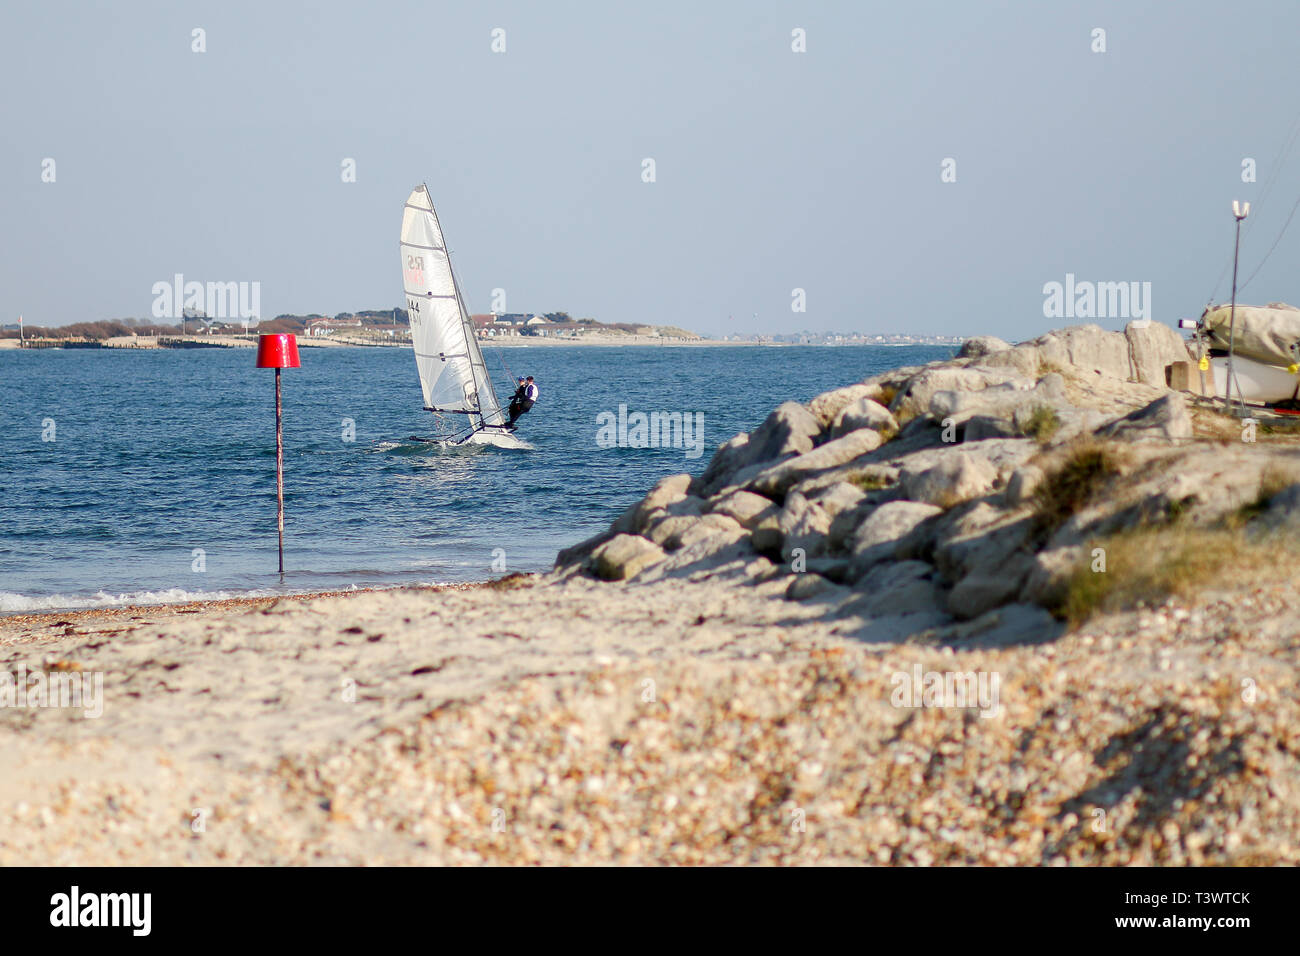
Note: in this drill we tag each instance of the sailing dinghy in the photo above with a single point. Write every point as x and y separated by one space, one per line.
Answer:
453 376
1265 342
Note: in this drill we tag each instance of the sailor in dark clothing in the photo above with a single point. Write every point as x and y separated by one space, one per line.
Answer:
516 399
524 398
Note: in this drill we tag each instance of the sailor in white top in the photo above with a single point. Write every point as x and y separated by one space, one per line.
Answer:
524 398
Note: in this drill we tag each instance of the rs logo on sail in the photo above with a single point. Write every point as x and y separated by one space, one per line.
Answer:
414 272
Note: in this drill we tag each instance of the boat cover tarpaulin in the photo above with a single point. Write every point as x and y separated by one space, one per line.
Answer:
1264 334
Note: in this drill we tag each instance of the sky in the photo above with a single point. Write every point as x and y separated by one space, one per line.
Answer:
775 170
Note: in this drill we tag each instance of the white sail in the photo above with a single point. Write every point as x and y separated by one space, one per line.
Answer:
453 375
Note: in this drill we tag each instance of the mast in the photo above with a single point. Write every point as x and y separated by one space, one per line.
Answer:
472 346
478 367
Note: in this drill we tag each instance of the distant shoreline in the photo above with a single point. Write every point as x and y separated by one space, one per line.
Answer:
199 342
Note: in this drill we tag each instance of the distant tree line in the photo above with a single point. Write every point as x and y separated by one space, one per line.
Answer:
287 322
103 329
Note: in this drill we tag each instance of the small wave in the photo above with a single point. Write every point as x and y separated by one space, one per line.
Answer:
14 603
429 446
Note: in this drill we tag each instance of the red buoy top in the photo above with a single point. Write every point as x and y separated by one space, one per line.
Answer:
278 350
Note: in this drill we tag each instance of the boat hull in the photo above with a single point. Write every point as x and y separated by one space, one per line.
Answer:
1258 382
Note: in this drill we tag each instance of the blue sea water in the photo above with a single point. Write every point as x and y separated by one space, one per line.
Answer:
158 455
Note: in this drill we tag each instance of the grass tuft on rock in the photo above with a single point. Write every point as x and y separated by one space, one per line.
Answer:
1042 425
1150 565
869 480
1072 485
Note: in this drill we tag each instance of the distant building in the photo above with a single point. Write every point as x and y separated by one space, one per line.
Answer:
230 325
330 326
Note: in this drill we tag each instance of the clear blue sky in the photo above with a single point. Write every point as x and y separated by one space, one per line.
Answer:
775 169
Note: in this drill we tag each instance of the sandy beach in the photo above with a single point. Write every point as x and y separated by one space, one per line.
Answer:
546 721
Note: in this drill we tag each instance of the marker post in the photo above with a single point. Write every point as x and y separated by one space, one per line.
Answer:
277 352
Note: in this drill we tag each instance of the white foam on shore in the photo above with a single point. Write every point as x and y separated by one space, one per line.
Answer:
13 603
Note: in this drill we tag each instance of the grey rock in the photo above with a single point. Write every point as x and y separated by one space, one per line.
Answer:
743 478
898 587
835 569
955 479
777 479
897 628
827 406
1025 360
1089 348
1153 347
709 527
1052 569
864 413
920 390
767 536
713 554
982 345
837 498
731 455
789 430
988 587
743 506
1023 483
894 574
846 523
807 585
1284 507
894 377
874 539
667 491
984 427
803 525
858 475
981 538
1165 419
666 530
624 556
643 519
1006 626
579 553
628 522
1014 401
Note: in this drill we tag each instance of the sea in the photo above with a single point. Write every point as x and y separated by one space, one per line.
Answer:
148 476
